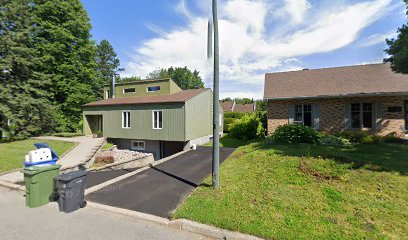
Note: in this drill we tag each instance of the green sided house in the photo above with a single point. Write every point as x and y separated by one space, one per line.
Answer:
154 116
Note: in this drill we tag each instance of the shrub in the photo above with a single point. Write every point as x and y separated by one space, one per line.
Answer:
107 146
294 133
356 136
234 114
67 134
227 123
328 139
104 158
247 128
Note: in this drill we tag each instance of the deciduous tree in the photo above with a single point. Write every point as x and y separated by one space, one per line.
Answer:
398 49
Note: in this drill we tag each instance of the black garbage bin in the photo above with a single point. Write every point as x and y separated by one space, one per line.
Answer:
71 188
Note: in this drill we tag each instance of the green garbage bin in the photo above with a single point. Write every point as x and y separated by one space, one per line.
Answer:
40 185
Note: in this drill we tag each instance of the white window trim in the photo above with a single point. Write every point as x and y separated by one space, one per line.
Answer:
153 115
147 88
129 92
124 125
138 143
303 114
361 116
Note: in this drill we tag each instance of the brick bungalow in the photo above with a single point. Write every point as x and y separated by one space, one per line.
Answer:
366 97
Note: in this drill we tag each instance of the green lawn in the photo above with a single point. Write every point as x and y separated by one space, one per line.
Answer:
281 192
228 141
12 154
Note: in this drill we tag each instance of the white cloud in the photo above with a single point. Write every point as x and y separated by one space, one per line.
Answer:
376 39
247 48
297 9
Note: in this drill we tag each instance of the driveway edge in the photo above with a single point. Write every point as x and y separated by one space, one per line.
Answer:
127 175
183 224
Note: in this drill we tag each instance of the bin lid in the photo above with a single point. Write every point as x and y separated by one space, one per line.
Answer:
69 176
38 169
44 145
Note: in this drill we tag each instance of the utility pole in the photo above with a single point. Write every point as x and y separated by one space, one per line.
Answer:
216 116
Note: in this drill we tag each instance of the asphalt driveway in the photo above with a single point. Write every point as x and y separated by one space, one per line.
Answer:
159 190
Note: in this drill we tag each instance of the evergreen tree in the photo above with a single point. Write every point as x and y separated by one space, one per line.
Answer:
184 77
24 107
107 65
398 49
64 40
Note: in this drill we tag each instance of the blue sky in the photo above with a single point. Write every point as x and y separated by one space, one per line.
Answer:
257 36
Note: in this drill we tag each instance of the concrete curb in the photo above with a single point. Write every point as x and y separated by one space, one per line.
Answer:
183 224
12 186
127 175
130 213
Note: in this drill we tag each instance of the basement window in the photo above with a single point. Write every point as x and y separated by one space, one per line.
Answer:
129 90
153 89
138 145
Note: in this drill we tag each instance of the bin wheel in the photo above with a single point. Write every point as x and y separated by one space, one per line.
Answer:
83 204
54 197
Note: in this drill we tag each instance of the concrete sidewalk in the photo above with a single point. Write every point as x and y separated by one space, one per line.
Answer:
18 222
81 153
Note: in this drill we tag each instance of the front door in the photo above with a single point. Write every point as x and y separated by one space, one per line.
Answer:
406 115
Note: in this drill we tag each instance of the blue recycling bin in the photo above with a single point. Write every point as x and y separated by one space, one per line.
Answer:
53 161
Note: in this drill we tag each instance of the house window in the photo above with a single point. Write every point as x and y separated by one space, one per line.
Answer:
107 94
126 119
138 145
129 90
303 114
153 89
361 115
157 119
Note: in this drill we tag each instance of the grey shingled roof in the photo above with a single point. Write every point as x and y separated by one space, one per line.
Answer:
372 79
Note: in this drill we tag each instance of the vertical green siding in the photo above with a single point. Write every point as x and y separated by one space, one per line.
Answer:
141 122
199 116
167 86
174 88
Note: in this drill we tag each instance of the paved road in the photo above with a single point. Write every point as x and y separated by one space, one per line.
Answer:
20 223
161 189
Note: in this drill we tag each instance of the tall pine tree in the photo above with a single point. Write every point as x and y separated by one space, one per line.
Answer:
108 65
64 40
24 107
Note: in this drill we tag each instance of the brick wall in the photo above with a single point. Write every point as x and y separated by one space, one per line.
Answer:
333 113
